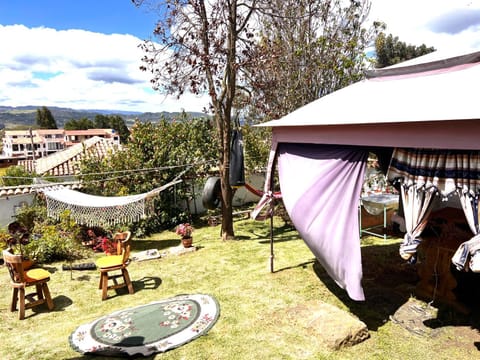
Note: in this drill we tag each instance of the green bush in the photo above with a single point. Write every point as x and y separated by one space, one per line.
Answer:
50 240
155 155
17 175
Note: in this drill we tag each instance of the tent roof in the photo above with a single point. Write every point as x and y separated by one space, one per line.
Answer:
434 87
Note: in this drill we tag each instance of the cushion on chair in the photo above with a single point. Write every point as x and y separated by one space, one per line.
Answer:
109 261
36 275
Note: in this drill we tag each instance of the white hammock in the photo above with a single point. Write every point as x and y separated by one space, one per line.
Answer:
92 210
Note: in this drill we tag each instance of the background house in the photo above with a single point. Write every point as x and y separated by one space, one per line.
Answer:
61 163
43 142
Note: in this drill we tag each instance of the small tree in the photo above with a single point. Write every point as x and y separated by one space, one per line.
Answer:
113 122
17 175
201 48
257 142
44 119
390 50
48 240
79 124
306 49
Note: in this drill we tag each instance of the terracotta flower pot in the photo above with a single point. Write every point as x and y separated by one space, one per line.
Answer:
27 264
187 242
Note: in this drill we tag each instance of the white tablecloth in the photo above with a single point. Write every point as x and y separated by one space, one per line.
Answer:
375 203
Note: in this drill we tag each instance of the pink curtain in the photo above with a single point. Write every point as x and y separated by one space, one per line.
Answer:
321 187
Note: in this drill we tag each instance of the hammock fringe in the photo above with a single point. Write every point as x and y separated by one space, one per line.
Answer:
93 210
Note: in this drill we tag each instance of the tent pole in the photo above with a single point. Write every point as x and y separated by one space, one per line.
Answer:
270 179
271 242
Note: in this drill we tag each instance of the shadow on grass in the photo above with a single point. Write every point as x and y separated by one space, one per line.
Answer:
279 232
389 282
104 357
302 265
142 245
50 269
147 283
276 240
60 303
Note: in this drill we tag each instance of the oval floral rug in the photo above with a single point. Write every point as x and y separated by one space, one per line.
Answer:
147 329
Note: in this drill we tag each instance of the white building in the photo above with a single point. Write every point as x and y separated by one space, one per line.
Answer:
43 142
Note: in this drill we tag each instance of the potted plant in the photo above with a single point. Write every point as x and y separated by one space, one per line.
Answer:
185 231
18 237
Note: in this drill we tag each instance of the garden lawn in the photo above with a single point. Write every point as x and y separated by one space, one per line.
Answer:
257 319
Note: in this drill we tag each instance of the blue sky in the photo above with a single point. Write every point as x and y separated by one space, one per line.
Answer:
102 16
84 54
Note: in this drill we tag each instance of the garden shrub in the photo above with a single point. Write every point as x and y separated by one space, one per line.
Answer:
155 155
51 240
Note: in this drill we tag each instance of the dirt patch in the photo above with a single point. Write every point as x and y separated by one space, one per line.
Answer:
333 327
390 290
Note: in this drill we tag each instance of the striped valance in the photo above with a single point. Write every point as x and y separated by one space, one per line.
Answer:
446 170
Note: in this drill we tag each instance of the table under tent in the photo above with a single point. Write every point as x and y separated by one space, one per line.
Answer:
421 118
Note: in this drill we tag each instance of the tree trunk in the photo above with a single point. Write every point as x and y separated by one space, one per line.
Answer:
226 98
227 194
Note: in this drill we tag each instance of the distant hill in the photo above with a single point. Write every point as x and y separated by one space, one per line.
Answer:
24 116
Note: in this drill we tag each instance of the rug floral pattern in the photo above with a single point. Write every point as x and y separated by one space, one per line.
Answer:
148 329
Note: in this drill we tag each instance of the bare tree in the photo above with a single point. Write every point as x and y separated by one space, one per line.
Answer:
271 56
307 49
199 48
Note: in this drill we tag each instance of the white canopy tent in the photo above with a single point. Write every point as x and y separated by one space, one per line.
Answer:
426 103
434 108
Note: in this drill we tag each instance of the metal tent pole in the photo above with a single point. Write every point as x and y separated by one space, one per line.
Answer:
272 256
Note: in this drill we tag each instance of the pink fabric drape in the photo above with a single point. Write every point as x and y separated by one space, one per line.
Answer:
321 187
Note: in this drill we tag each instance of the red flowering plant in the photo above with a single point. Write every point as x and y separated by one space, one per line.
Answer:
106 245
184 230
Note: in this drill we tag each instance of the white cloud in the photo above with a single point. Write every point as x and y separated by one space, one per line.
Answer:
431 22
87 70
79 69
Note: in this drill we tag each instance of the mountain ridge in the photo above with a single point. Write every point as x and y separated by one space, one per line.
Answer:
18 116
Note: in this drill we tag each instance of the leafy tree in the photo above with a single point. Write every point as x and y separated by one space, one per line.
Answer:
156 154
306 49
113 122
48 239
390 50
101 122
44 119
118 124
257 141
17 175
79 124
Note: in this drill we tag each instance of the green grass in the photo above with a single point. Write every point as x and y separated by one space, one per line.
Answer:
257 319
